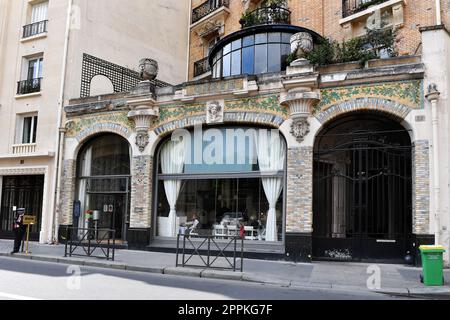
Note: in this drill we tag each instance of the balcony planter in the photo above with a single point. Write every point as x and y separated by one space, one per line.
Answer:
272 14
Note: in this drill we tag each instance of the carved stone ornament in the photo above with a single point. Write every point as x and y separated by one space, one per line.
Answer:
148 69
300 128
142 140
301 43
143 119
214 112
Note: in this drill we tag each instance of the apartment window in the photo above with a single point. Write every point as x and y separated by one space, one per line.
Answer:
39 12
35 68
27 129
32 72
38 20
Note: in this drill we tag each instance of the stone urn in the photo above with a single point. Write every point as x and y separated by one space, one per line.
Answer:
301 43
149 69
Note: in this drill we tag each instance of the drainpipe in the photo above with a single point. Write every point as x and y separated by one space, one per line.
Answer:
189 42
60 137
433 98
438 13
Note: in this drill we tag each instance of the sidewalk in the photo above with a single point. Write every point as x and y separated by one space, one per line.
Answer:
395 279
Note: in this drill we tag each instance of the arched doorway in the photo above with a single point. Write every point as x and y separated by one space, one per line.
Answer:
362 189
103 184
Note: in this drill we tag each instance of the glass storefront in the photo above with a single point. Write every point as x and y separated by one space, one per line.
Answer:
237 183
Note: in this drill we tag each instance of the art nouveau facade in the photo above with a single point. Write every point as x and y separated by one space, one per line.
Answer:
358 168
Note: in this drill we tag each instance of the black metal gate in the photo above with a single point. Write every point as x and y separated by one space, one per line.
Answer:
363 191
22 192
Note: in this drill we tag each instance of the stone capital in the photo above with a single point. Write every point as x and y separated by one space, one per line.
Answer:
300 103
143 114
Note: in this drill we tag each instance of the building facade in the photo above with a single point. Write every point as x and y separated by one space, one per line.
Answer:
44 47
345 160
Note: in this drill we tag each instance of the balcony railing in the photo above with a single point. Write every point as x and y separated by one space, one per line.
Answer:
266 15
207 7
27 148
350 7
35 29
201 67
29 86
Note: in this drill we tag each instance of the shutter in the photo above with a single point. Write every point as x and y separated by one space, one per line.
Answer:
39 12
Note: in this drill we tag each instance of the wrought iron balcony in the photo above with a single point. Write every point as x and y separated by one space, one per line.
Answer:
29 86
266 15
201 67
350 7
207 7
35 29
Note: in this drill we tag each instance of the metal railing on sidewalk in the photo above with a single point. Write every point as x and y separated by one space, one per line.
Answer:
90 240
210 252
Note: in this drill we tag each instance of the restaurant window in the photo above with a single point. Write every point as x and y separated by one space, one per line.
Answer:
236 182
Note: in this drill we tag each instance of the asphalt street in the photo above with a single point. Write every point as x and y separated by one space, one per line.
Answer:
32 280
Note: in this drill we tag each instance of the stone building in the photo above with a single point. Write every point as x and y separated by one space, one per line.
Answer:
356 168
44 47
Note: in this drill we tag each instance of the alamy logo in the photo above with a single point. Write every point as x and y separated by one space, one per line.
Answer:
74 280
374 280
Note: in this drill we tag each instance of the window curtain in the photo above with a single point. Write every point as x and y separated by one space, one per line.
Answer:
172 162
82 190
271 157
39 12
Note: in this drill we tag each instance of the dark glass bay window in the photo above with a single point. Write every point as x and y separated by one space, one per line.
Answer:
254 50
241 185
253 54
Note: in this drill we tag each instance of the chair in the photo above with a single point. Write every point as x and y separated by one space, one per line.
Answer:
220 231
250 233
232 231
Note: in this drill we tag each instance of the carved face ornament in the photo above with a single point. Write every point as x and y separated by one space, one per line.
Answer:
300 129
142 140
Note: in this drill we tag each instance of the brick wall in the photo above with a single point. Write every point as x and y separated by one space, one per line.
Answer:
67 192
299 215
421 187
141 192
323 17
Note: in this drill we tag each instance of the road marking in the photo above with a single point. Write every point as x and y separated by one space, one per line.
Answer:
15 296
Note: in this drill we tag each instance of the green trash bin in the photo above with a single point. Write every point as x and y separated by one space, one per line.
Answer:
433 265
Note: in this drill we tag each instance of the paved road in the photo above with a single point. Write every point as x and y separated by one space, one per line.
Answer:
23 280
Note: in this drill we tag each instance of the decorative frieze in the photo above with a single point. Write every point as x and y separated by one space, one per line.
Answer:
406 93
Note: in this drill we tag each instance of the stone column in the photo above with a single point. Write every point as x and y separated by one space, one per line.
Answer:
143 112
299 214
68 187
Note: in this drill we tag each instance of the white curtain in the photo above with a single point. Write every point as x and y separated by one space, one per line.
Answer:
82 194
39 12
172 162
271 157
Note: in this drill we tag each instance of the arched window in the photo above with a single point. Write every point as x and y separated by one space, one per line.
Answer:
222 177
103 174
101 85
